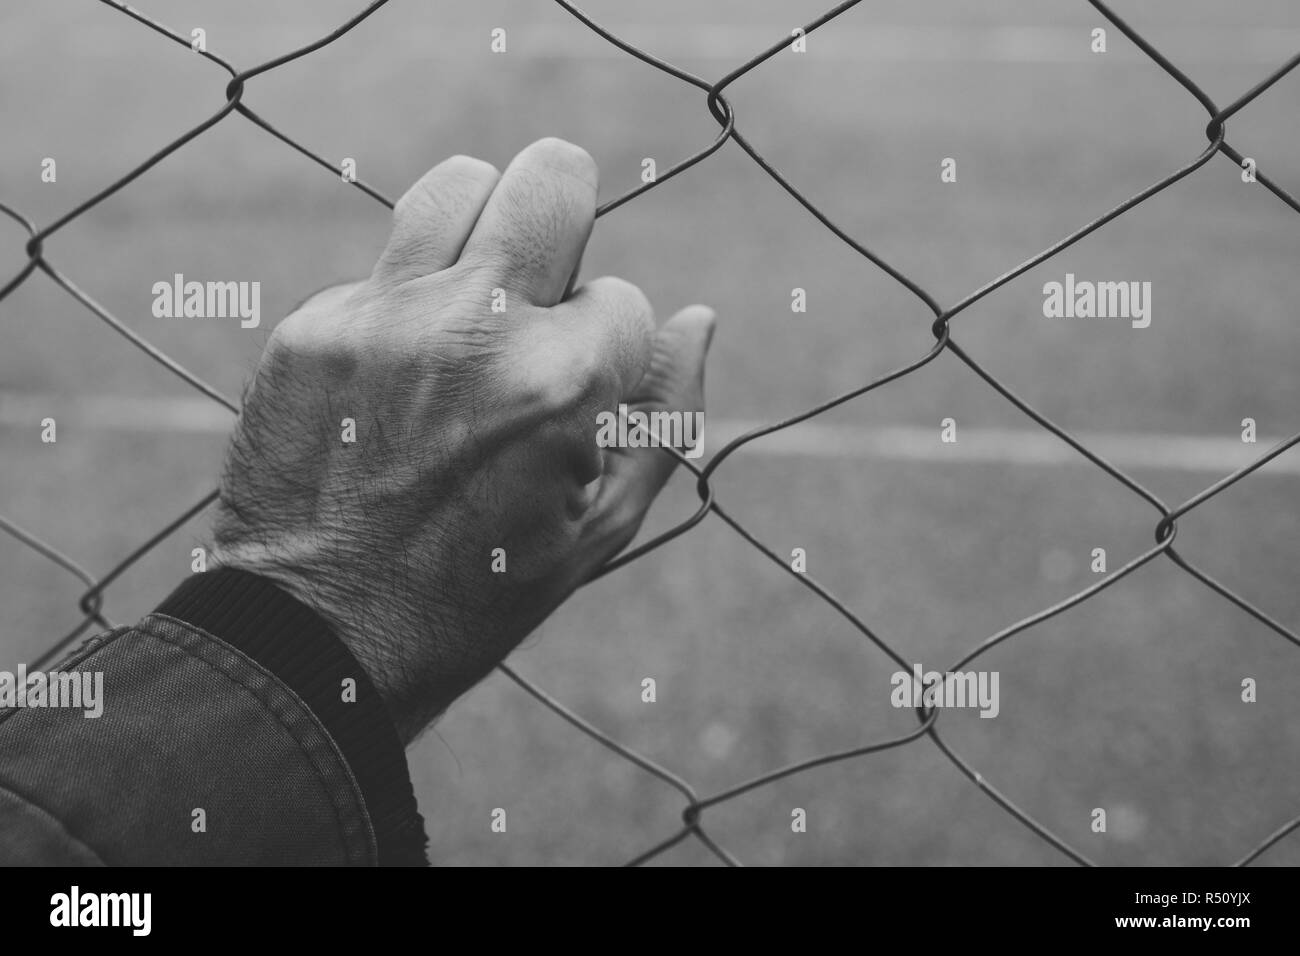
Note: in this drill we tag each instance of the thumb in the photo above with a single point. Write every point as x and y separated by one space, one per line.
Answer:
675 379
674 382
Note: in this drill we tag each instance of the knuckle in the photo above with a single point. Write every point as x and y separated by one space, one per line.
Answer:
566 157
627 297
630 311
589 373
470 284
565 379
470 167
427 195
566 390
313 348
291 336
414 201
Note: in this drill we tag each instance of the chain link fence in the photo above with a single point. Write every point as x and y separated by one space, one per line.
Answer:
1166 524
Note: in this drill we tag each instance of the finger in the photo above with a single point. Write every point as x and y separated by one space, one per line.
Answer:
676 372
608 326
534 227
674 382
434 218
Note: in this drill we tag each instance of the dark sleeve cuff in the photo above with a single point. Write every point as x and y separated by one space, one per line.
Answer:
295 644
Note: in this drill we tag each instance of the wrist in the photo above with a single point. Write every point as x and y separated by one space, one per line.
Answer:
378 627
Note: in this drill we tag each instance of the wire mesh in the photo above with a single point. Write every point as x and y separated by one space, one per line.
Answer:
1166 527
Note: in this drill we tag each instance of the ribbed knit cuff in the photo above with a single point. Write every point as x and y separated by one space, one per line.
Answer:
295 644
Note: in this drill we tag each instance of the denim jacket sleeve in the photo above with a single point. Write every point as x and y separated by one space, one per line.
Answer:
234 729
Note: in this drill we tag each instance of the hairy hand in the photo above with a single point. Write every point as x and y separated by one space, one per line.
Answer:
475 430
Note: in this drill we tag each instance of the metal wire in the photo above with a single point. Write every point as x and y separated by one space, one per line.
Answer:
722 111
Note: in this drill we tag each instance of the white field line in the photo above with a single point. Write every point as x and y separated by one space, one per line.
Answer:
811 439
1010 446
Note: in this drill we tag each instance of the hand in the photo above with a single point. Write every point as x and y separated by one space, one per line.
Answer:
475 429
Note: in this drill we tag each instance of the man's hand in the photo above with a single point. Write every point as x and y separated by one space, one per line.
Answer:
475 430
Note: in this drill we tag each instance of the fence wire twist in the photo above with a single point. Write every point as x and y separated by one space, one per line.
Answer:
1166 528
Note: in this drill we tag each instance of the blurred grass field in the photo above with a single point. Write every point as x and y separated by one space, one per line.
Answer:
1130 701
